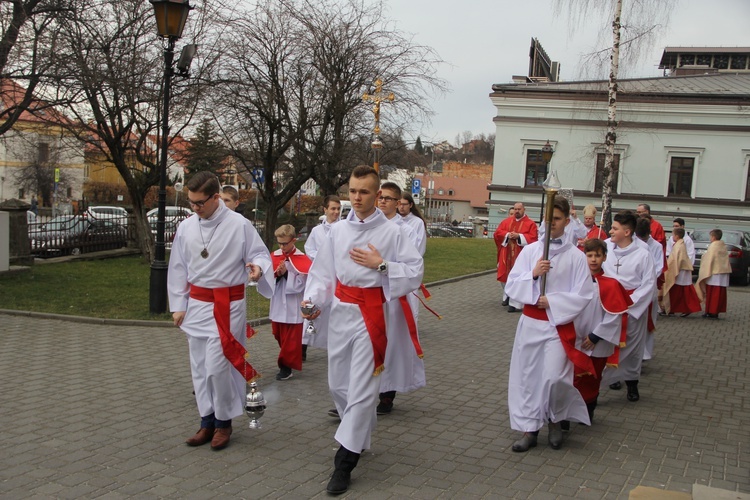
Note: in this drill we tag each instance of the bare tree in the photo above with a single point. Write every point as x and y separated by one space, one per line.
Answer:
38 175
109 72
288 96
26 42
644 25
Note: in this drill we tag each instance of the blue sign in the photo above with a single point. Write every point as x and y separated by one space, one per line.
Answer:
416 186
260 176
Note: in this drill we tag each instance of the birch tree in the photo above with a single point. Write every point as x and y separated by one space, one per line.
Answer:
645 21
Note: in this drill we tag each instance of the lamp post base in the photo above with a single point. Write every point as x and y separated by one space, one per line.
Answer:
158 287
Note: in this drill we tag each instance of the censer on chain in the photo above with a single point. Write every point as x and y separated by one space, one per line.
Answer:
308 309
255 405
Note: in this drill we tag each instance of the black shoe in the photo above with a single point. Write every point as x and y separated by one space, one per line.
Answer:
565 425
284 374
528 440
506 302
633 390
385 406
616 386
591 407
685 315
512 309
555 437
339 482
334 413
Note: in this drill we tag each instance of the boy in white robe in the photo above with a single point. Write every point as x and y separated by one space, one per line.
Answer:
411 215
290 271
633 267
599 327
713 276
679 294
540 383
404 366
644 239
332 214
206 283
364 262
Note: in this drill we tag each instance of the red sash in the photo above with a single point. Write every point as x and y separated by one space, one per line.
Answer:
613 360
427 296
233 350
567 333
370 302
409 316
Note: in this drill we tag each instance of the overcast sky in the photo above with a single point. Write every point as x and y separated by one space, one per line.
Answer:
487 41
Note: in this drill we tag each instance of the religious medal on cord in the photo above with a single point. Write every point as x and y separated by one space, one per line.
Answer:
204 252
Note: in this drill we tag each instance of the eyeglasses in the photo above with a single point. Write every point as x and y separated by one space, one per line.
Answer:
387 198
404 204
199 204
283 243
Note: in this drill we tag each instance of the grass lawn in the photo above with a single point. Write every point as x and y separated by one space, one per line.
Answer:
118 288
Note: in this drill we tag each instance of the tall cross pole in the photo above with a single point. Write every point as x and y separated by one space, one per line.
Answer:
376 98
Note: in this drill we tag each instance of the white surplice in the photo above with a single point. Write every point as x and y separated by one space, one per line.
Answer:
419 235
319 339
231 242
634 268
656 251
540 383
350 354
287 295
404 370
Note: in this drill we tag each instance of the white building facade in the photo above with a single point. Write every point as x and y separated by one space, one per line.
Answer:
683 146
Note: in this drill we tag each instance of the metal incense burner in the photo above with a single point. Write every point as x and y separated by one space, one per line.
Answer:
309 309
551 187
255 405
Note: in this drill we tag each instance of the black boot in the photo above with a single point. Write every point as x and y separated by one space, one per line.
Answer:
345 461
633 390
591 407
386 402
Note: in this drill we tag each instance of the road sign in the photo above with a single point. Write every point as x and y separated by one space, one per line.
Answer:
416 187
416 198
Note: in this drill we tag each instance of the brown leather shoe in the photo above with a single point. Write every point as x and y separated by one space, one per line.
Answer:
203 436
221 438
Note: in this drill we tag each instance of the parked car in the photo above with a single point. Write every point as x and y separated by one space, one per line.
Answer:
74 235
462 231
116 214
441 232
738 245
172 218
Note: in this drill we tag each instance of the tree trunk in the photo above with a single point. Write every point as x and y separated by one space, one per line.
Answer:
611 137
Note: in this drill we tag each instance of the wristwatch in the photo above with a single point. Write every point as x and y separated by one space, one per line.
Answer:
383 267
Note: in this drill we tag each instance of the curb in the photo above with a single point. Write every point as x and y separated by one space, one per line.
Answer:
167 324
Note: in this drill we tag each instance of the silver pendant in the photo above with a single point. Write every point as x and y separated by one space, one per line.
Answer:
204 253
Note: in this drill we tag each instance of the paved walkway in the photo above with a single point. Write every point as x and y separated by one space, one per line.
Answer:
99 410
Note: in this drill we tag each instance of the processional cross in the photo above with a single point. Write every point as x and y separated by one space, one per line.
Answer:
376 98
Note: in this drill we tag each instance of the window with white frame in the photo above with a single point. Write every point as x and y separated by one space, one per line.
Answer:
683 164
599 179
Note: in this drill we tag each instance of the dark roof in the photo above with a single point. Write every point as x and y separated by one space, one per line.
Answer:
714 85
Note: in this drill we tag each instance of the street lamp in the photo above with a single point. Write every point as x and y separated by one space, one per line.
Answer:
170 21
547 153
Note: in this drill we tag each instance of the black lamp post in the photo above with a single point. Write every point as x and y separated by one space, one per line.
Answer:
170 21
547 153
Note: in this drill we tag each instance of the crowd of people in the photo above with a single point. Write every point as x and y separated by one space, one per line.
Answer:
589 307
356 281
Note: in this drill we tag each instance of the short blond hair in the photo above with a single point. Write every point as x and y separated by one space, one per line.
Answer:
285 230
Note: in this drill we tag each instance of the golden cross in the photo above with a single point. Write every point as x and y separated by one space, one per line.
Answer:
377 97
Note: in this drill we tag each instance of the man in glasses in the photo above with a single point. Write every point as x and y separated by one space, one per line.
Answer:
404 366
208 273
364 262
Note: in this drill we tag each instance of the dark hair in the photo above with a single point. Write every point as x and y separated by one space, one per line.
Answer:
204 182
414 209
363 171
231 191
646 206
393 187
594 245
626 218
643 228
680 221
562 205
679 232
331 198
717 233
